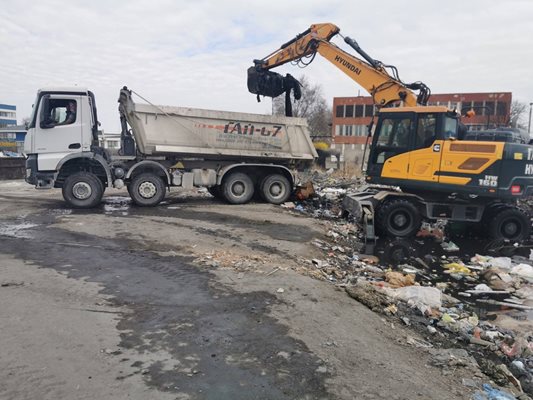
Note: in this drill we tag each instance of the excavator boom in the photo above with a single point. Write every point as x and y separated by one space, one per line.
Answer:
371 74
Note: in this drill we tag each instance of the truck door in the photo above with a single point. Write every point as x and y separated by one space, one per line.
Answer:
58 129
424 159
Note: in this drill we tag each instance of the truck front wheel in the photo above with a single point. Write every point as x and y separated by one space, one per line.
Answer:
237 188
83 190
147 190
275 189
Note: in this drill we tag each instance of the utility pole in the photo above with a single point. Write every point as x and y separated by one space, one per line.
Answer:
529 125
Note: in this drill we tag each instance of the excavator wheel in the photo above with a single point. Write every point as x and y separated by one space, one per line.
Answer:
510 223
398 218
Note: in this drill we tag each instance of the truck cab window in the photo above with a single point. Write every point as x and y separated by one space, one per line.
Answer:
60 112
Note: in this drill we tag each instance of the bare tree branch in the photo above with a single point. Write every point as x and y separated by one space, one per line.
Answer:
312 106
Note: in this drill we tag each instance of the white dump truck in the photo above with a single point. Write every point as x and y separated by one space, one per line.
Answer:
233 154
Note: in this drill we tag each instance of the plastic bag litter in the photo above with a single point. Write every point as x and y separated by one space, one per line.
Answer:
420 297
457 268
482 288
523 270
500 262
449 246
464 325
490 393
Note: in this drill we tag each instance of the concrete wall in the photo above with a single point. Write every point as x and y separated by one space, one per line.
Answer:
12 168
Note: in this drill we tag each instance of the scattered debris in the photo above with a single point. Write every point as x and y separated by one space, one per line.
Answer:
11 283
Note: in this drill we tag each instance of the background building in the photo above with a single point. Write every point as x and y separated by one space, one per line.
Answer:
12 138
110 141
352 115
8 115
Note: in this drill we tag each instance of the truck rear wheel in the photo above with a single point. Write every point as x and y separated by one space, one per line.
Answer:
398 218
511 224
147 190
237 188
275 189
83 190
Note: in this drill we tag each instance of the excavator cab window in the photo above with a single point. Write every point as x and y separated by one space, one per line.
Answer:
426 131
450 125
392 137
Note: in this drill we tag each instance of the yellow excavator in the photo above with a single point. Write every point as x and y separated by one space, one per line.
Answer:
419 152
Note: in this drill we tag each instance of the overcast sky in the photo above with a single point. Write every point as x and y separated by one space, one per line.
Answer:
196 53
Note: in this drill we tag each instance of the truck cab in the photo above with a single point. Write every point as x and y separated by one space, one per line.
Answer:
62 140
51 137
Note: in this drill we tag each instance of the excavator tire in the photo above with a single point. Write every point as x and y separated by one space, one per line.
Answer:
510 223
398 218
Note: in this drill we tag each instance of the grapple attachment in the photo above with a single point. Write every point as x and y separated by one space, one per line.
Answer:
265 83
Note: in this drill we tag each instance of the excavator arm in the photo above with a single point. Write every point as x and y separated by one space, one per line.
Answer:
372 75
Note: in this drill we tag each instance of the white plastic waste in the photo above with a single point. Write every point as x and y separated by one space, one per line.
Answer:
523 270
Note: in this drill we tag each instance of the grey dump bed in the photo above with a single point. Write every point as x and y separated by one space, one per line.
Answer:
163 130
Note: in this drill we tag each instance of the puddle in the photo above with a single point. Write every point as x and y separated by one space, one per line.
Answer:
16 230
116 204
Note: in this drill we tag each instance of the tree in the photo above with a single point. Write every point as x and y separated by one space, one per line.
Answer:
25 121
518 112
312 105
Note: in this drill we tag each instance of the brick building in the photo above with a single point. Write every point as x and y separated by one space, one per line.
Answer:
352 115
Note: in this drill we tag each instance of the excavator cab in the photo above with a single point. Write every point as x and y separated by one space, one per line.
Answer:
407 146
422 149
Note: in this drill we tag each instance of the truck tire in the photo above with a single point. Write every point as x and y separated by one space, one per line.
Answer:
275 189
510 224
398 218
147 190
83 190
237 188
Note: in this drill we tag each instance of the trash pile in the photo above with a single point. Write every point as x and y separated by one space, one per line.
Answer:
322 195
449 291
481 303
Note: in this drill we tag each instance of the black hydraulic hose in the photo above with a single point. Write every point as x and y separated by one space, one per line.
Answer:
363 53
300 35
